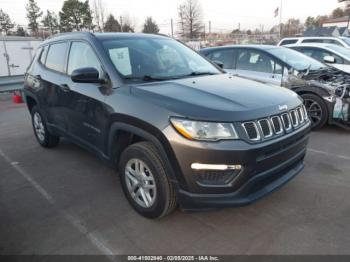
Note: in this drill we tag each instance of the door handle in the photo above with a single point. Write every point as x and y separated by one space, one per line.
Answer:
65 88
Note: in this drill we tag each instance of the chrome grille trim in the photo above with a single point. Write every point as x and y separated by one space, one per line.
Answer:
270 134
277 132
294 115
306 117
256 130
300 115
273 126
289 126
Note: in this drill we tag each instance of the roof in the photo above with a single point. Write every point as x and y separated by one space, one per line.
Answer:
343 30
321 31
321 45
102 36
260 47
336 20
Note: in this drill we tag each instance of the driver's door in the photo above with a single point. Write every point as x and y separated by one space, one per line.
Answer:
87 113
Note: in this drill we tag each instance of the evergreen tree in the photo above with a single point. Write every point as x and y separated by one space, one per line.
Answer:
33 14
150 26
75 16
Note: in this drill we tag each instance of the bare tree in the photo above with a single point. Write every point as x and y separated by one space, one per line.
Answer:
181 13
127 24
190 16
99 12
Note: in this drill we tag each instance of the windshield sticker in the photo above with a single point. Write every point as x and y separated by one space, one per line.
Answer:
121 60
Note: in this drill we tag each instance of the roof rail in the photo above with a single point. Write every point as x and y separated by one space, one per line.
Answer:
69 33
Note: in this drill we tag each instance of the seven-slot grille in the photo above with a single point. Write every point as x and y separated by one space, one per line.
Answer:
275 125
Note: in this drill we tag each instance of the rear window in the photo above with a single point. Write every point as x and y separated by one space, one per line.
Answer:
288 42
56 57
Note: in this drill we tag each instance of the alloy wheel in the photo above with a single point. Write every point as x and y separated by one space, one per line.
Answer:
140 183
314 111
39 126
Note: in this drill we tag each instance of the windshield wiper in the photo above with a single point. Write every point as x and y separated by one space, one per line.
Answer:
198 73
147 78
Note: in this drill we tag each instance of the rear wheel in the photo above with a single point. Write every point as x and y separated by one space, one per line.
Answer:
316 109
145 182
42 134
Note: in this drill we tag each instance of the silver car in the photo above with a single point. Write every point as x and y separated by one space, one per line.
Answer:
325 89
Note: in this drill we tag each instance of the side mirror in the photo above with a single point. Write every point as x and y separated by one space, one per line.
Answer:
219 64
329 59
86 75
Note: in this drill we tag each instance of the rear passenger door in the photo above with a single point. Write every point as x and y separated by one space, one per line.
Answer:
87 113
49 73
259 66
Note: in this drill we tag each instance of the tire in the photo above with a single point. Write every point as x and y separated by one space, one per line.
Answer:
42 134
154 182
317 110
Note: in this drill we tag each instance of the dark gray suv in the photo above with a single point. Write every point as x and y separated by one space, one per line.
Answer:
179 130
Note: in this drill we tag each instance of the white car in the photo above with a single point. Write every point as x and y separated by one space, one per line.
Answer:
341 41
333 55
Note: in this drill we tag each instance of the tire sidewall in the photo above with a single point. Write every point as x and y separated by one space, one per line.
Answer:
44 142
324 109
157 209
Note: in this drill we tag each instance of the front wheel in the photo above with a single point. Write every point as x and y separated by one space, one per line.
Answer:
316 109
145 182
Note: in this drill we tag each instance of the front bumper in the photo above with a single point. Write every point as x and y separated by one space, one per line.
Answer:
266 167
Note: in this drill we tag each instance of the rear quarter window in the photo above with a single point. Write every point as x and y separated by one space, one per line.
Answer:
56 57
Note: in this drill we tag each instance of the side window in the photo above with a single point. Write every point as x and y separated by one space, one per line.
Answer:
319 55
334 42
81 55
56 56
224 56
288 41
255 61
312 41
43 55
278 68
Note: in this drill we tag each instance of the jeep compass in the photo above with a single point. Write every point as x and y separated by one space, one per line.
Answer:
179 130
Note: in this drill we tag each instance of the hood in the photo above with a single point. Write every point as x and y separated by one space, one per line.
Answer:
217 97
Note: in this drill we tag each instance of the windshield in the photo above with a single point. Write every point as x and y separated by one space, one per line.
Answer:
295 59
341 50
147 59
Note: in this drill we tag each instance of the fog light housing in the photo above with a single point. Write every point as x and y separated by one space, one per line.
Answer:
198 166
210 175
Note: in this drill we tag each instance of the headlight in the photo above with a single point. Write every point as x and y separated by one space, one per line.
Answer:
208 131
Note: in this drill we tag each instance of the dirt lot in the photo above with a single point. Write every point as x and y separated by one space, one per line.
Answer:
66 201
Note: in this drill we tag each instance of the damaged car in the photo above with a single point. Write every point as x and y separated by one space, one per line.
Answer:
325 90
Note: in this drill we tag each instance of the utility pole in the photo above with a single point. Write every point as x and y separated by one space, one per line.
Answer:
209 27
121 23
281 19
172 28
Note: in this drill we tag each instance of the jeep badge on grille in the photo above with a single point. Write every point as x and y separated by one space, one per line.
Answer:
283 108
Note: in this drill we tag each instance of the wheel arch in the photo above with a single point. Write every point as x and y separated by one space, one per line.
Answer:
31 101
125 130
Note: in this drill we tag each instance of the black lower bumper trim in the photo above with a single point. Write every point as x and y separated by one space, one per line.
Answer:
254 189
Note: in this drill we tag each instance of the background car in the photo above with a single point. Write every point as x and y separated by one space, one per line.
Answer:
314 81
341 41
333 55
